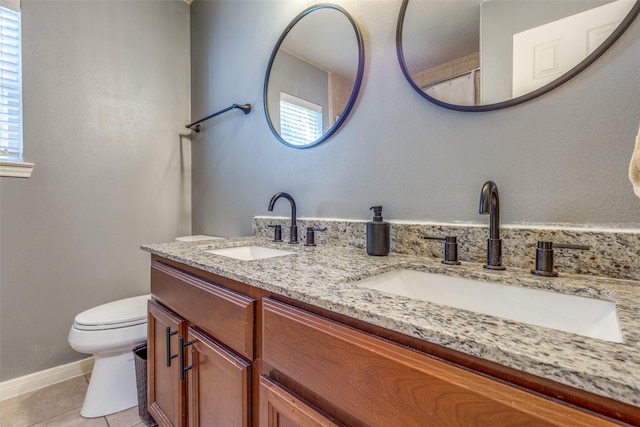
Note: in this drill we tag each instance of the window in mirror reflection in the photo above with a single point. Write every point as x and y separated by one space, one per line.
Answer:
300 120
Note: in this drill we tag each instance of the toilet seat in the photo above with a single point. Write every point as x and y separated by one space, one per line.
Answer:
110 332
114 315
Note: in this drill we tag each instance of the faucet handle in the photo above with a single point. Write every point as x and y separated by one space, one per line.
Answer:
544 257
277 232
450 249
311 235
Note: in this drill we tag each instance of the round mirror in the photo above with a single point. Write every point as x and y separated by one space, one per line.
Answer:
480 55
314 76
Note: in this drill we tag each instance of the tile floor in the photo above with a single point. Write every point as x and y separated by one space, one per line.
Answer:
59 406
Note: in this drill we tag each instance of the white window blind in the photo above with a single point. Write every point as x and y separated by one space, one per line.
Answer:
300 120
10 82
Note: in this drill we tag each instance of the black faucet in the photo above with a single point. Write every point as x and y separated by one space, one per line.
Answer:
293 230
490 204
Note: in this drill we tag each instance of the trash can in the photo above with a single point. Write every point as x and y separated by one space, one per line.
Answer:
140 359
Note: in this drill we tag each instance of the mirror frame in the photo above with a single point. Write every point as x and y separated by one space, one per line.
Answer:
356 85
626 22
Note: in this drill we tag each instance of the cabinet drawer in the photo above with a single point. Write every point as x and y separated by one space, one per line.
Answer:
225 315
364 380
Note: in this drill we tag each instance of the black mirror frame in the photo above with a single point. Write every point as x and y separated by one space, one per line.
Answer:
626 22
356 86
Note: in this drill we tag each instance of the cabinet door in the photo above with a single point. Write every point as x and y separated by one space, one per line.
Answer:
279 408
165 393
218 384
364 380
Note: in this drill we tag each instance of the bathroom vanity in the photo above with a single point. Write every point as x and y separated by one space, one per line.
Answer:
291 340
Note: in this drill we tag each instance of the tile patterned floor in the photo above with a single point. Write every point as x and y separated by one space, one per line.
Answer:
59 406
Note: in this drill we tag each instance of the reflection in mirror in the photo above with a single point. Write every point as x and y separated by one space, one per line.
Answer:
314 76
479 55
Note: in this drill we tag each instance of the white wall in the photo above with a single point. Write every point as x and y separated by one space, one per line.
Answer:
106 96
562 158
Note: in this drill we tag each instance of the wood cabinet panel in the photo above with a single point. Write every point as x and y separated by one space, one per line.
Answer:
280 408
365 380
165 392
218 383
319 371
223 314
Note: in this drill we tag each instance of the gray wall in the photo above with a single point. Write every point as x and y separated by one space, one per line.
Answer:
562 158
106 99
106 95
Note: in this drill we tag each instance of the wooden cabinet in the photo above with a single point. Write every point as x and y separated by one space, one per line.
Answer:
252 358
280 408
165 392
199 336
361 379
218 384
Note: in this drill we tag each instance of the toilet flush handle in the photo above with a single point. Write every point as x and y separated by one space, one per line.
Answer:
168 346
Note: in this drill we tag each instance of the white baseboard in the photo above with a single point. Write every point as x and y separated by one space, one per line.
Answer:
38 380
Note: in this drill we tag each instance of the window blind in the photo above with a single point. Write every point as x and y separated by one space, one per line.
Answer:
300 120
10 82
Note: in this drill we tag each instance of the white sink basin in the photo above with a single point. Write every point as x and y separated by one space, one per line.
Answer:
249 253
570 313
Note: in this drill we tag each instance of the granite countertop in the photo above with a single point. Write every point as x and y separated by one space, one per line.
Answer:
324 276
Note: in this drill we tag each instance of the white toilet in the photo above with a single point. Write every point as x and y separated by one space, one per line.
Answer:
110 332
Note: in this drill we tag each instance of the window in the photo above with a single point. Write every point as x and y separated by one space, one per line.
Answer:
11 86
11 91
300 120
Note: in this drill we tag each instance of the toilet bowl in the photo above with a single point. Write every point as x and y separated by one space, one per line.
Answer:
109 332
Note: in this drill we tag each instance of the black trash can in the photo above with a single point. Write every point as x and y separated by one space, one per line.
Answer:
140 359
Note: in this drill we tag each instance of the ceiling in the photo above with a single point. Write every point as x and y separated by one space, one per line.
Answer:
326 39
435 32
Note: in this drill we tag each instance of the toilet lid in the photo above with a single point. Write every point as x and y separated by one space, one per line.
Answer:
116 314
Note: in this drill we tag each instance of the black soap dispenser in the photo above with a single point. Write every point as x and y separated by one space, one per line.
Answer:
378 234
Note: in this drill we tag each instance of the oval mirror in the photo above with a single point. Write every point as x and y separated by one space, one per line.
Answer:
481 55
314 76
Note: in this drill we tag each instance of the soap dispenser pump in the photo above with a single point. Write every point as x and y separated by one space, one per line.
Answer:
378 234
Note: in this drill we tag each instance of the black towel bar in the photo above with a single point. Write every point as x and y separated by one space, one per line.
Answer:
246 108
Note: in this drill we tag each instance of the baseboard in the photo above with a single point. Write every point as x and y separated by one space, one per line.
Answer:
38 380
